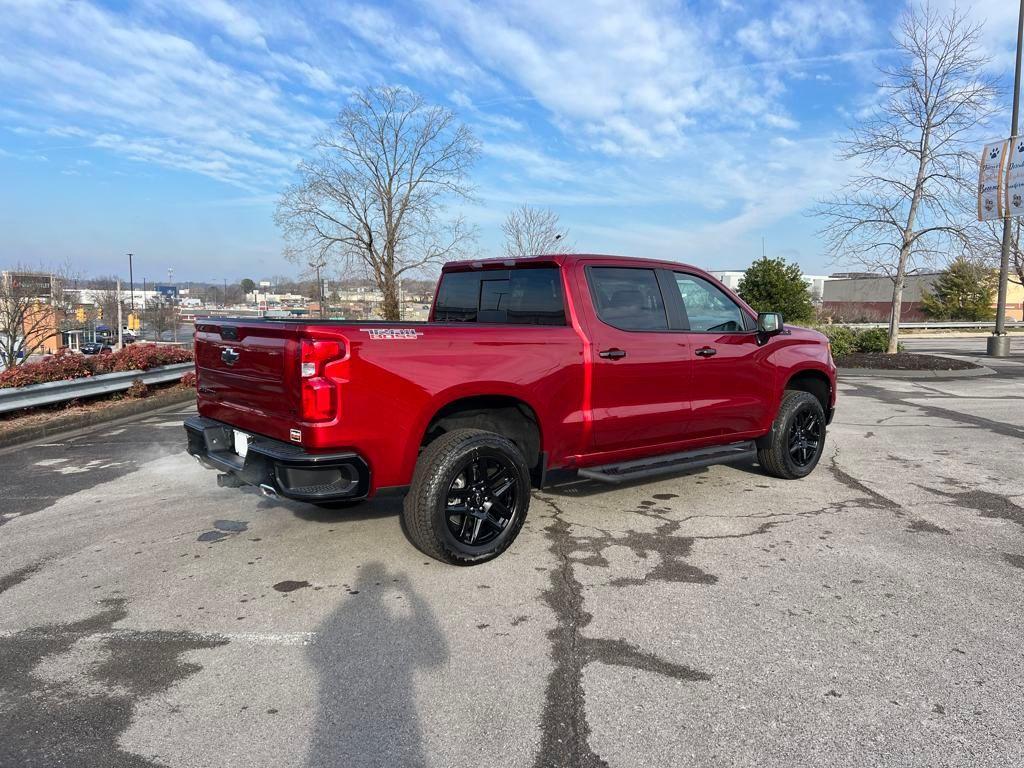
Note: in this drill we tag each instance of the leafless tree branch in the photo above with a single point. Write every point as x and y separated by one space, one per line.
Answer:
375 190
908 206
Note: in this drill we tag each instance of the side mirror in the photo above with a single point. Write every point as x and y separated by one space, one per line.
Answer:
769 324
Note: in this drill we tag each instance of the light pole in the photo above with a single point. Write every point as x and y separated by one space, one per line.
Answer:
131 282
318 265
999 342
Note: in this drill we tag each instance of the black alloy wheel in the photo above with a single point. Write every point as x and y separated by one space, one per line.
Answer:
482 499
469 497
805 434
794 445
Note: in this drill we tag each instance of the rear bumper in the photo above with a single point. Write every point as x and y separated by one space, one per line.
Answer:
285 468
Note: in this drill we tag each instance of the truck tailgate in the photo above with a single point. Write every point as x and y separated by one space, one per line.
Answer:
250 372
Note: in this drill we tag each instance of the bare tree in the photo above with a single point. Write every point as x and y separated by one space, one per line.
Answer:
32 307
106 298
374 192
915 154
533 231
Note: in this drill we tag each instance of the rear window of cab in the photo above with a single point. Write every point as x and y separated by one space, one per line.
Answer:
521 296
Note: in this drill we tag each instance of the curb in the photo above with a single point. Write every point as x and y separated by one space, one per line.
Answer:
882 373
122 410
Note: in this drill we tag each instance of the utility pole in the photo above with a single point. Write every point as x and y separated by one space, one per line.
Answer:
318 265
120 332
999 342
131 281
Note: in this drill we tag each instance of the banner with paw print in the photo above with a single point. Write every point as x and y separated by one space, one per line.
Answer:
1014 205
991 181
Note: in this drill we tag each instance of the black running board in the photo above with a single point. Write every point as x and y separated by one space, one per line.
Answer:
671 462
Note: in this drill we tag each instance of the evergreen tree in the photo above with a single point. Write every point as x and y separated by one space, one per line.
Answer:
964 291
772 285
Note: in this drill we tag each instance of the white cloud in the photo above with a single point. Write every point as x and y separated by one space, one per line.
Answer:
227 17
83 72
799 26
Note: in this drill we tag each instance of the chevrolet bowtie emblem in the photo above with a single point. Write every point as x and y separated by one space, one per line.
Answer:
229 356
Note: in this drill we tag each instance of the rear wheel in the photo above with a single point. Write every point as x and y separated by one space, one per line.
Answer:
469 497
792 449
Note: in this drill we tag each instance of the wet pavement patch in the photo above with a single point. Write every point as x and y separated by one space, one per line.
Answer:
66 722
1017 561
987 504
222 529
231 526
565 730
923 526
290 586
14 578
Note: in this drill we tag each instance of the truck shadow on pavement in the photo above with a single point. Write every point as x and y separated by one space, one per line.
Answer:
366 657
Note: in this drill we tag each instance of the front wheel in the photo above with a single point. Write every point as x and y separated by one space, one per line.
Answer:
792 449
469 497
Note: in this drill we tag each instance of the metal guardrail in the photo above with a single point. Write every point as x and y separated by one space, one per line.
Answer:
34 395
938 325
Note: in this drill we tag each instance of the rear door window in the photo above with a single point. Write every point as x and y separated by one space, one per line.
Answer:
628 298
524 296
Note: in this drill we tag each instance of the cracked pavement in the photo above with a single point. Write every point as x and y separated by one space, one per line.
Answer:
868 615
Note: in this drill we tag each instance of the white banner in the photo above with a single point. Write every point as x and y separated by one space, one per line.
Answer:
991 181
1014 205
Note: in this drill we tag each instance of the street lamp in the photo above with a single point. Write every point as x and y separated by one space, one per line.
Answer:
131 282
999 342
319 264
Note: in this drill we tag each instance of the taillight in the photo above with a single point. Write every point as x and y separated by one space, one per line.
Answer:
319 394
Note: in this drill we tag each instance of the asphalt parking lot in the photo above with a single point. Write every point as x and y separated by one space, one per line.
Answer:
868 615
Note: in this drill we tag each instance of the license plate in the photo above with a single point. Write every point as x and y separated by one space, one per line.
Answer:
241 443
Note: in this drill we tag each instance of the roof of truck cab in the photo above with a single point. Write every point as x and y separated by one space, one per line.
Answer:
564 259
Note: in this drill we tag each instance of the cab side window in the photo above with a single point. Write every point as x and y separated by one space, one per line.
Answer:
628 298
707 307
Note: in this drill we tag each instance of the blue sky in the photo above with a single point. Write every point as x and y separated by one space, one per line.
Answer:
686 131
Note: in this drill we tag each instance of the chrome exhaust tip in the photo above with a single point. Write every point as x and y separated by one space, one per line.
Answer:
268 491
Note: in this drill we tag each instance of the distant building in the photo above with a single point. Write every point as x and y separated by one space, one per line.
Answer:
869 298
731 279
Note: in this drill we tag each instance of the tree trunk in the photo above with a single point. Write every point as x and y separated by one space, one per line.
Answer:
897 299
389 287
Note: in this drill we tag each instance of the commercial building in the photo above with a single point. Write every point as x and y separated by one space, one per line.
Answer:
731 279
868 298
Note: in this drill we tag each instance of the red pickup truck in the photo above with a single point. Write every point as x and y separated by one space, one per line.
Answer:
530 372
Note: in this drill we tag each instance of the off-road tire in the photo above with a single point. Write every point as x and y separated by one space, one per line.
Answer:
424 514
773 450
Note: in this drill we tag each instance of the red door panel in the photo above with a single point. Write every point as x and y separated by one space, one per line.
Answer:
640 368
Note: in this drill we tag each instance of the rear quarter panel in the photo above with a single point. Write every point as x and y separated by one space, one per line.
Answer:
391 388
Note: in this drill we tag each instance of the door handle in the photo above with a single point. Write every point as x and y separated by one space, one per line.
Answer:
706 352
612 354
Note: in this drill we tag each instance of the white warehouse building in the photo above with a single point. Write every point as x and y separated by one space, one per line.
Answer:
815 283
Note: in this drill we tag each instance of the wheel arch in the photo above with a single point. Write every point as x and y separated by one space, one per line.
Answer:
507 415
813 381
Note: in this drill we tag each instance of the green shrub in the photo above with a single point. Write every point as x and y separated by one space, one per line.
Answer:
872 340
842 339
846 341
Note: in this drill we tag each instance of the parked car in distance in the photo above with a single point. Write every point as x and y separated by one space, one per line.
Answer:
529 372
96 348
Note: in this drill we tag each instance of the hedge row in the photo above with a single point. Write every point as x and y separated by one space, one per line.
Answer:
67 365
846 341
